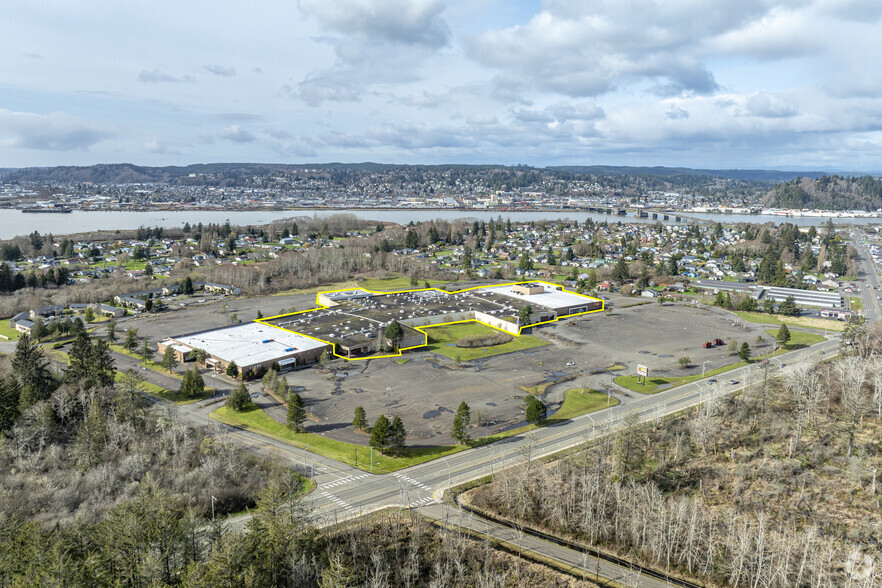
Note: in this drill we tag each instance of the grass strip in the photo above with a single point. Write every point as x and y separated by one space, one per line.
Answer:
442 339
254 419
798 339
652 385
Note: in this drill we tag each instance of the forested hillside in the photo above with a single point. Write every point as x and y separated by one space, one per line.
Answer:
828 193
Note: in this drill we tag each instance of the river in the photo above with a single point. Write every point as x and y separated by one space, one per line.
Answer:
15 222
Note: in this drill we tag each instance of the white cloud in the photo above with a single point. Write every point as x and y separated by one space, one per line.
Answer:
761 104
157 76
220 70
53 132
410 22
780 34
237 134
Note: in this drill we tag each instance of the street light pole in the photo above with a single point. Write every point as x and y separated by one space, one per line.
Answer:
448 471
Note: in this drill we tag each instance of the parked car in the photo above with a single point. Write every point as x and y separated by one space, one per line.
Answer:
734 381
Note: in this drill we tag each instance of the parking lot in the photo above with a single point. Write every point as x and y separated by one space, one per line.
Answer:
426 389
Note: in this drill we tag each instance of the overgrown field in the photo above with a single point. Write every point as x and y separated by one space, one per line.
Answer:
774 487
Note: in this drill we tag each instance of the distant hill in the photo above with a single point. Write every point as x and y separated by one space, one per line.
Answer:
828 193
127 173
750 175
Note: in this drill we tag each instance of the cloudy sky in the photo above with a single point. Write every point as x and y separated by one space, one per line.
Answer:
786 84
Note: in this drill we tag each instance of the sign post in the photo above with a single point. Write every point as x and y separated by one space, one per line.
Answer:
642 372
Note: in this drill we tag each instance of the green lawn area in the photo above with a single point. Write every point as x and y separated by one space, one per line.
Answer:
575 403
442 338
798 339
170 395
397 283
757 317
578 403
8 331
150 365
768 319
652 384
856 303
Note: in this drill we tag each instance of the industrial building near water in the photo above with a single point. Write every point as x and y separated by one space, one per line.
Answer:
351 324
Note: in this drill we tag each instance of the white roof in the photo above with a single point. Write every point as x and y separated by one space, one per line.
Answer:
250 343
551 298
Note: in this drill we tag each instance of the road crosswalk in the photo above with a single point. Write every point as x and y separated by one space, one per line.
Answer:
411 481
341 503
421 502
343 481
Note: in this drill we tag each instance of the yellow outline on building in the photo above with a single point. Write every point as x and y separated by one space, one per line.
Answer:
420 329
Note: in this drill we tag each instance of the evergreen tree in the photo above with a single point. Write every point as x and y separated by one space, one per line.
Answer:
524 315
193 385
31 373
78 368
111 331
397 436
621 273
380 433
461 423
394 333
101 363
131 340
788 307
91 436
169 359
783 336
536 410
744 351
39 330
89 314
296 413
360 419
232 370
10 394
146 350
281 387
643 280
525 263
239 399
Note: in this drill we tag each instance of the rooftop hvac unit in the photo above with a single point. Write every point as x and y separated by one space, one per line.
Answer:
289 349
267 341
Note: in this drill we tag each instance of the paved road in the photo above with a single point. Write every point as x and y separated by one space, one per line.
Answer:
522 542
872 308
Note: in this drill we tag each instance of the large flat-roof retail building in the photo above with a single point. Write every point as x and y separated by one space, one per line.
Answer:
352 323
254 347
